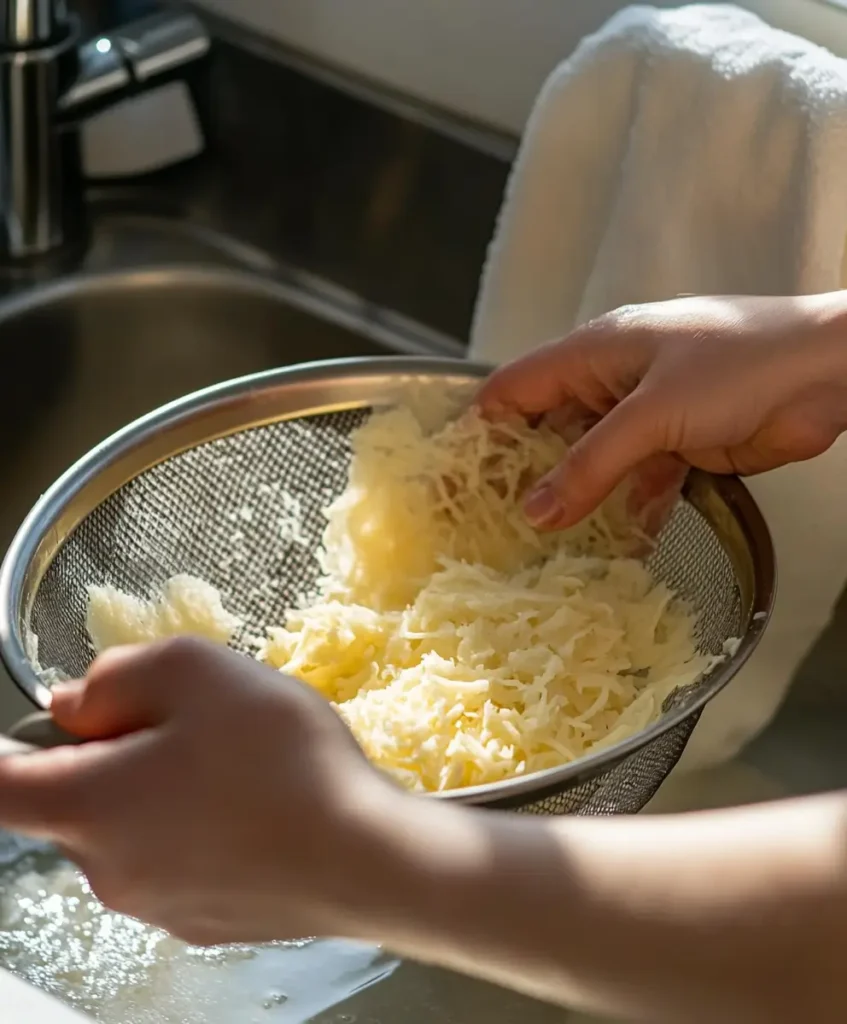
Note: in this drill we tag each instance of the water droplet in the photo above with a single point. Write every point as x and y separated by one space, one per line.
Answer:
275 999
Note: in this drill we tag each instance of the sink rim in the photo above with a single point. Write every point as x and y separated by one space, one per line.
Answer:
291 288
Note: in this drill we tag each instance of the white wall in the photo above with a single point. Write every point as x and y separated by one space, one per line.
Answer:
482 58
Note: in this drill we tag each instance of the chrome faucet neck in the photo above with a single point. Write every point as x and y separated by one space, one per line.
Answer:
51 81
28 23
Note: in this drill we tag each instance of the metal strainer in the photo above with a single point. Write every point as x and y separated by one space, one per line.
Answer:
200 487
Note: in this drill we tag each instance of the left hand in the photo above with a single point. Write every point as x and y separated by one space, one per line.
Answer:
217 799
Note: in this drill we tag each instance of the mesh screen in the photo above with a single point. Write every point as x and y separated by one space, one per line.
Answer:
245 513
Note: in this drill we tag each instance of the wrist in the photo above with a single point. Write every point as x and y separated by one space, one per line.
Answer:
402 860
486 894
826 355
447 885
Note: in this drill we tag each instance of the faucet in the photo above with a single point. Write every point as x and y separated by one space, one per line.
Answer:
50 82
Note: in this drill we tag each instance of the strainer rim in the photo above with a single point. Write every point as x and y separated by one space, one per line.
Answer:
56 500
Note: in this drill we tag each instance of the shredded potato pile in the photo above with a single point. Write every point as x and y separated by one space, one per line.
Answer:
487 674
413 500
461 646
186 606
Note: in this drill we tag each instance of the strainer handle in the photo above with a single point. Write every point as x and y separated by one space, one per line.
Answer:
37 731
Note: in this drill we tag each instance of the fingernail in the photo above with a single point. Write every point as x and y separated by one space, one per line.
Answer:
543 505
68 694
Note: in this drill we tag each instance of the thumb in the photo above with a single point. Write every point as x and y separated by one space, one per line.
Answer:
596 464
128 689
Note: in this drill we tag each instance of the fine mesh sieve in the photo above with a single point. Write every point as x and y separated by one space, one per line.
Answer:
212 484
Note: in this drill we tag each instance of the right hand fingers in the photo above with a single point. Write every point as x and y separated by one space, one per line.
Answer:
596 366
549 378
596 464
653 488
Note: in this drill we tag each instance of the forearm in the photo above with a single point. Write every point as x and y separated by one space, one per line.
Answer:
731 916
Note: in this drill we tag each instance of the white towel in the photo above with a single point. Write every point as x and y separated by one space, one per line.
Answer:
690 151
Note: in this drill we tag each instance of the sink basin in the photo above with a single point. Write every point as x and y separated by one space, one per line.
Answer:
100 348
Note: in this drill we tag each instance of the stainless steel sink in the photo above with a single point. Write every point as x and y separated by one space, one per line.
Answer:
157 312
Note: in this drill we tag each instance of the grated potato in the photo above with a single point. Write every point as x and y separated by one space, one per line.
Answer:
186 605
460 645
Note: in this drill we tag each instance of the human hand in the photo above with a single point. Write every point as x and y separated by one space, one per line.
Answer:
730 385
218 799
227 803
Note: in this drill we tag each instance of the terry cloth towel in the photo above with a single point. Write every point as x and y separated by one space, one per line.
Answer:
695 151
